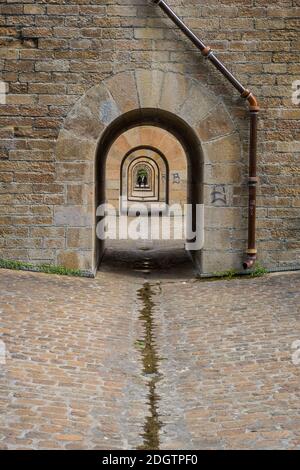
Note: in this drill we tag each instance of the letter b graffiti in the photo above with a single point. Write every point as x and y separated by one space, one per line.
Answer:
296 92
296 354
2 352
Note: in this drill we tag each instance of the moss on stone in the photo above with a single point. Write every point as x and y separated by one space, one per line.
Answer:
41 268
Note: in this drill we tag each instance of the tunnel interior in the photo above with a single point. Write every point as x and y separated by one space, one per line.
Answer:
149 157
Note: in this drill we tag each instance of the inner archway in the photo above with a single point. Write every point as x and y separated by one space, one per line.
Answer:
146 172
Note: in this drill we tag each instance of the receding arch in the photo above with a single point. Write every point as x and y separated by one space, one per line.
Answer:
161 155
169 122
135 166
159 191
138 167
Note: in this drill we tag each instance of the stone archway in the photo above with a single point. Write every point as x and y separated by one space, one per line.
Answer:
155 165
145 96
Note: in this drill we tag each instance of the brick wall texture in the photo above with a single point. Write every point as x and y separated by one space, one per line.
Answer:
53 52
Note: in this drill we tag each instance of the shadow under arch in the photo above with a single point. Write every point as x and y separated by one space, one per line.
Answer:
181 131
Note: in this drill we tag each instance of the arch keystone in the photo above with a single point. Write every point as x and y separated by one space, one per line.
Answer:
149 85
174 92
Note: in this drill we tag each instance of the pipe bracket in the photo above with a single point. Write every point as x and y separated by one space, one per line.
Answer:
252 181
251 251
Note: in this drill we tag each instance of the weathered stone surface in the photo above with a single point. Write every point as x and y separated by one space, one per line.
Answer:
75 259
122 88
200 101
227 173
216 261
224 217
217 124
75 216
70 147
75 172
226 149
174 92
80 194
81 238
149 87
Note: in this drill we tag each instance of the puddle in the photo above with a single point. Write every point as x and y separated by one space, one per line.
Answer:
151 360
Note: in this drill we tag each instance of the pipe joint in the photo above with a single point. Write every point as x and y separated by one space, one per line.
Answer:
250 259
252 181
206 52
254 107
249 262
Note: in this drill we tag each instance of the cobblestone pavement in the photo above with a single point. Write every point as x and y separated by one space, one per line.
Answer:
74 375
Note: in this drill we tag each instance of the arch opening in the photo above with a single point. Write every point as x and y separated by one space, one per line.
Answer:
144 170
144 176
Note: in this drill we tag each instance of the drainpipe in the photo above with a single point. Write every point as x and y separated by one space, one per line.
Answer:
253 109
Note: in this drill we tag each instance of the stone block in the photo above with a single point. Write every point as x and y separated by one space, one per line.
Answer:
224 217
214 261
72 259
217 239
222 174
73 216
75 171
174 93
198 104
226 149
80 238
74 148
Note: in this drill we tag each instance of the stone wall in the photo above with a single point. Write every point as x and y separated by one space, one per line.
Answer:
53 53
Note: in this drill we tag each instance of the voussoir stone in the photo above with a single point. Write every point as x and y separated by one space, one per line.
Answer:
149 84
174 92
215 125
123 90
198 104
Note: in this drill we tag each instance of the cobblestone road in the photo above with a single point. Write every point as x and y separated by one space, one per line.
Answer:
74 375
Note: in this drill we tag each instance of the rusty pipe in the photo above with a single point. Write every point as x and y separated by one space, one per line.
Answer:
253 108
181 25
205 50
249 262
252 183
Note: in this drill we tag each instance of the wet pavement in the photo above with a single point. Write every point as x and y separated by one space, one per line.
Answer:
149 261
146 356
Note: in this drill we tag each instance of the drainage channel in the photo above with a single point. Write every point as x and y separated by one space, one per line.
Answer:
151 361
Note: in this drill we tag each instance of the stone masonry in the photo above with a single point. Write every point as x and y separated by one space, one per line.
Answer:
68 67
73 375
